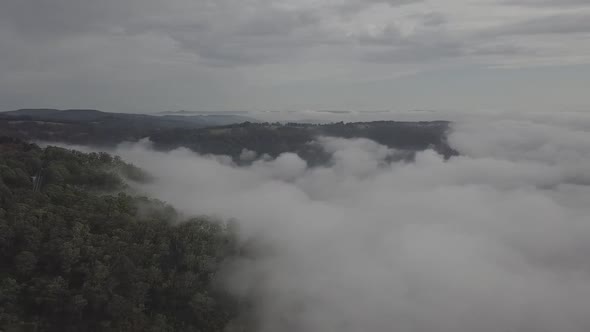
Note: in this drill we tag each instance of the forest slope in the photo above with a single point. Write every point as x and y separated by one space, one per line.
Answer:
78 253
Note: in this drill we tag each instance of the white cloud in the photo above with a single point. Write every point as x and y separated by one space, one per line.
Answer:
493 240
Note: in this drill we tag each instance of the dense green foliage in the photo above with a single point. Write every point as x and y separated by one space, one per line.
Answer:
79 254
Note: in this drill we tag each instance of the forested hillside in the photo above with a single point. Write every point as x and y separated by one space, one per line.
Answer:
264 138
79 253
275 138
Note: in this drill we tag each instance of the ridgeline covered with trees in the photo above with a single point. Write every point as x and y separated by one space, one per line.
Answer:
78 252
264 138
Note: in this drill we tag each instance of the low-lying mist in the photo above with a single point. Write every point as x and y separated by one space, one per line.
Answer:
496 239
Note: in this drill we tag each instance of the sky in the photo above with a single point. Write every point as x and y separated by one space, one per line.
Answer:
229 55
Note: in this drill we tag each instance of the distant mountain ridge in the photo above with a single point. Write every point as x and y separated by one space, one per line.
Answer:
191 120
90 127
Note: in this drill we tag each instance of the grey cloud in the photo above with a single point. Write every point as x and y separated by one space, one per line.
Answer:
268 36
278 23
500 49
433 19
50 48
394 2
548 3
427 43
221 33
416 53
390 35
354 6
272 35
556 24
225 32
49 19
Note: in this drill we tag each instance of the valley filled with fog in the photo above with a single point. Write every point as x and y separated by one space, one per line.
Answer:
495 238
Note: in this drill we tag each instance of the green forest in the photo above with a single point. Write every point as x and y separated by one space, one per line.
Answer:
79 251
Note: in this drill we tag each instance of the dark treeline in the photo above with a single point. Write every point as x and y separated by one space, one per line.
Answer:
77 253
275 138
264 138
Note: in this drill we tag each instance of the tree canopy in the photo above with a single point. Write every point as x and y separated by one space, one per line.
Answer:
80 253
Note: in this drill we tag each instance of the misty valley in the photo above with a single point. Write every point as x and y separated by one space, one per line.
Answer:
294 166
474 225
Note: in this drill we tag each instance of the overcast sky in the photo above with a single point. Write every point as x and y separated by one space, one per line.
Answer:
225 55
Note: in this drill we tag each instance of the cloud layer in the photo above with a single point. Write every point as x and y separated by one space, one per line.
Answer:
493 240
136 55
230 32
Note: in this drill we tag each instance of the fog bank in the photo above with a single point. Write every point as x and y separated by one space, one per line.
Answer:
493 240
